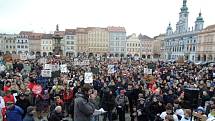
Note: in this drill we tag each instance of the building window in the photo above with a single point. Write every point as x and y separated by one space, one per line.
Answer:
22 46
68 42
26 46
18 46
10 47
6 46
26 41
14 47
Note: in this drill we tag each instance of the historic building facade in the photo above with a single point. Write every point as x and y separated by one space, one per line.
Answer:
69 43
206 44
117 41
98 39
133 46
181 43
146 46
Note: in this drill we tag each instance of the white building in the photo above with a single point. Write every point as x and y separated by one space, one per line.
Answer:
133 46
182 43
22 42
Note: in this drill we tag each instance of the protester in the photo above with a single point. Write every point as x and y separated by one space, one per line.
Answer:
29 114
121 102
56 115
83 108
14 112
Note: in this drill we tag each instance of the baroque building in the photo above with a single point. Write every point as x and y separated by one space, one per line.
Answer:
182 42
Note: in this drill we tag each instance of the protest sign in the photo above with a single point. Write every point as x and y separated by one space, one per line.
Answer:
63 68
55 67
23 57
88 77
81 62
31 57
111 69
46 73
37 89
42 60
48 66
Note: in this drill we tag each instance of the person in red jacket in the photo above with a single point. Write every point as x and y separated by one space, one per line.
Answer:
67 98
7 86
8 97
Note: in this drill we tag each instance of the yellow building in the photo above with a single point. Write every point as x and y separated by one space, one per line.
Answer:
98 40
206 44
82 40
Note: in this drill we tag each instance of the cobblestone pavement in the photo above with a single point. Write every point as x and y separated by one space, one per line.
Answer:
127 118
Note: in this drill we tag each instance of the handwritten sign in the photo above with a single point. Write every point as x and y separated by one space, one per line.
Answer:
48 66
111 69
23 57
88 77
81 62
63 68
46 73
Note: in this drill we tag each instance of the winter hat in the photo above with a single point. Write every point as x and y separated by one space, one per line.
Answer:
30 109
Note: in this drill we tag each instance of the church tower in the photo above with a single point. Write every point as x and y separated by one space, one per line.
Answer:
169 30
199 24
182 24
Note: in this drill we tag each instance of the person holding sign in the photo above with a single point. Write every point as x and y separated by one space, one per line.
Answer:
83 107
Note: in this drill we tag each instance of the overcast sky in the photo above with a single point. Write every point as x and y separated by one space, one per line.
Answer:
149 17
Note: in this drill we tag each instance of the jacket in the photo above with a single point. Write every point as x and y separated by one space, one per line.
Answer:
14 114
29 117
83 108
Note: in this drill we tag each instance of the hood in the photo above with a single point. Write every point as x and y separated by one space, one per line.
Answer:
79 94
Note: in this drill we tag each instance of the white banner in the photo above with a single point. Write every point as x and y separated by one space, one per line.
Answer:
63 68
48 67
31 57
88 77
55 67
23 57
81 62
46 73
111 69
43 61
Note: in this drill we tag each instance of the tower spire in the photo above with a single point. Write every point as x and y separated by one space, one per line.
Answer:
184 2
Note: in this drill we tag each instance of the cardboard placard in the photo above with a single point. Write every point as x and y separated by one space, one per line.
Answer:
63 68
46 73
81 62
48 66
88 77
111 69
23 57
42 60
31 57
55 67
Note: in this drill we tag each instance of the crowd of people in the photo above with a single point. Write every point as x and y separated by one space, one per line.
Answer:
156 96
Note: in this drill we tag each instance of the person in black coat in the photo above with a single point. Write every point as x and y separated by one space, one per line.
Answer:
154 108
30 114
23 102
107 103
142 113
56 115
